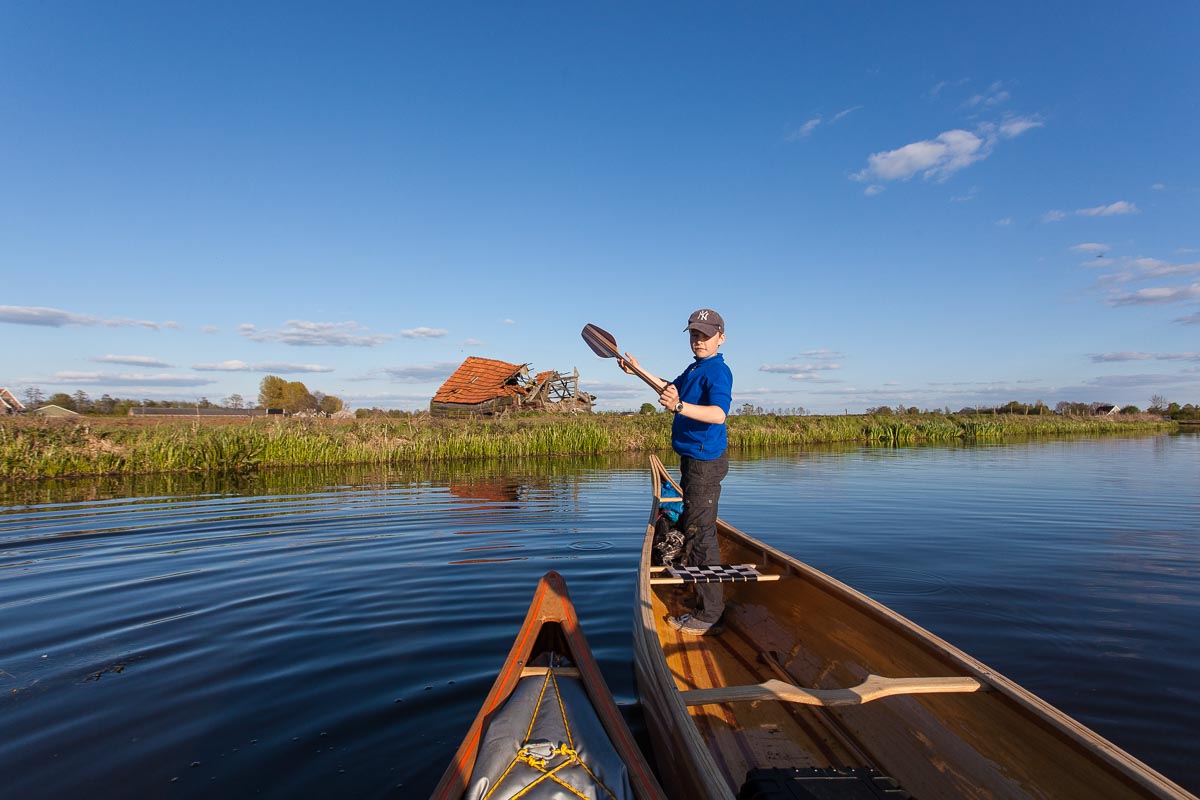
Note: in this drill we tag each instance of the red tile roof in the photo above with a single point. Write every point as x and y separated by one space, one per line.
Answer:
478 380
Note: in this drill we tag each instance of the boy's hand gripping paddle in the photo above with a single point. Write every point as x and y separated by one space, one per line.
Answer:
604 344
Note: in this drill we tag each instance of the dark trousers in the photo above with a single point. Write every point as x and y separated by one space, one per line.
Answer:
701 482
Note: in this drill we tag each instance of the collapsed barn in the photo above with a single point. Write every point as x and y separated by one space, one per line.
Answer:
487 387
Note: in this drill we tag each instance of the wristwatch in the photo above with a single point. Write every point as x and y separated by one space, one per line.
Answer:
679 407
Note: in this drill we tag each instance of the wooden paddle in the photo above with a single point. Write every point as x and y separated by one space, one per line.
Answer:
604 344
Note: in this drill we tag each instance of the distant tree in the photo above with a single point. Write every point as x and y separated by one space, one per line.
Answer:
83 403
881 411
1131 410
204 402
330 404
270 391
234 401
61 399
107 404
747 408
1158 404
296 398
647 408
33 397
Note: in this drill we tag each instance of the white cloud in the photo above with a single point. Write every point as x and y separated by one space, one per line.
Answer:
1158 187
804 131
300 333
423 333
1159 295
1113 209
280 367
420 373
1005 222
873 190
1013 127
1118 208
57 318
1104 358
795 369
995 95
1189 319
137 361
210 329
1142 268
933 158
509 321
1090 247
126 379
472 343
940 85
843 114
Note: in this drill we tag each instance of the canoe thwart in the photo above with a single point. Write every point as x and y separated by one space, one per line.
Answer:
873 688
712 573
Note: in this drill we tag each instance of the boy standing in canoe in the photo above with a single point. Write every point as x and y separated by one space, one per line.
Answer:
700 399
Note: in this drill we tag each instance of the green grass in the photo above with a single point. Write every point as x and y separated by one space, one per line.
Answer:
36 448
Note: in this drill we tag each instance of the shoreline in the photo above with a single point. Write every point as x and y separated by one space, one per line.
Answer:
35 449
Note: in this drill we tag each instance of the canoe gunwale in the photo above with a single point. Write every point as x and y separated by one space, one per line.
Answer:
666 706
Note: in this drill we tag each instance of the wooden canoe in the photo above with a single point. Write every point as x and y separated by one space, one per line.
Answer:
551 626
811 680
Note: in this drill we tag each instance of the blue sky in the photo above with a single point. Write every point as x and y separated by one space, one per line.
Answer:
937 204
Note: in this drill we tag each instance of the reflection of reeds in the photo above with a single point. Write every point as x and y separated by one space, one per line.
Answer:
54 448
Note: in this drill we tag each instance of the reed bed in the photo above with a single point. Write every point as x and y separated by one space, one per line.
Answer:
32 449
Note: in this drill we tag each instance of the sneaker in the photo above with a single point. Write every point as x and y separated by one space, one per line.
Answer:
686 623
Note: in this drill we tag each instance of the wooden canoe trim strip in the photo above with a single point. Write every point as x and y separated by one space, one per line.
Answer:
873 688
562 672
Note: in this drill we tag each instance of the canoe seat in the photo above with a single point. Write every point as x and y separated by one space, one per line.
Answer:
711 573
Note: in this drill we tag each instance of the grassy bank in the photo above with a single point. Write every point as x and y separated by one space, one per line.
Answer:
42 448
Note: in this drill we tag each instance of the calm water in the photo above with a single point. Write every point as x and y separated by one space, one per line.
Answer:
334 633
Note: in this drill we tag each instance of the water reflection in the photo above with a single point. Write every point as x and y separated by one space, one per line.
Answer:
333 631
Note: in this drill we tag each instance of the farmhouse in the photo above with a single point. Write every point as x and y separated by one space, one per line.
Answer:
51 410
485 386
9 404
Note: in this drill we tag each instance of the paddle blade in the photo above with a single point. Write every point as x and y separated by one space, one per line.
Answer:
603 343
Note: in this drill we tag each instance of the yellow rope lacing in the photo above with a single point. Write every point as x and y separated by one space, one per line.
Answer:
539 763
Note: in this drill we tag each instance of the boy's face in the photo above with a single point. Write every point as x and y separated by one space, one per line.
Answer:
703 346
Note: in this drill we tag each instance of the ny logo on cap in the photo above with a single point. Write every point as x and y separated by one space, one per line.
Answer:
702 315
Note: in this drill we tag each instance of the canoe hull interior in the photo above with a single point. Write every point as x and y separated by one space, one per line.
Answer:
809 630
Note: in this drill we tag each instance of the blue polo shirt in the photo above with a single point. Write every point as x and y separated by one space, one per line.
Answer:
706 382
